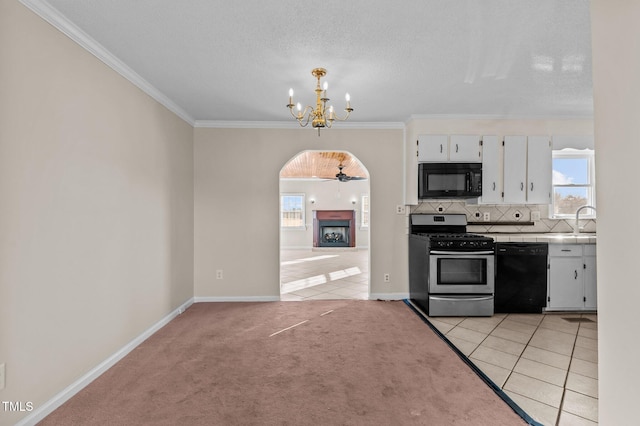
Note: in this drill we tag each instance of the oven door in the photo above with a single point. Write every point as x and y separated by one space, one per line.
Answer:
457 272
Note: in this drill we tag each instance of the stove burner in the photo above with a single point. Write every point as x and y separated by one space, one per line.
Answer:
460 241
458 236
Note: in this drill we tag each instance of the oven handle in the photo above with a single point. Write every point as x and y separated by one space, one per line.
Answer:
460 253
470 299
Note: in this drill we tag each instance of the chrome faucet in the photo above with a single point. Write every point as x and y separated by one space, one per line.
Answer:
576 226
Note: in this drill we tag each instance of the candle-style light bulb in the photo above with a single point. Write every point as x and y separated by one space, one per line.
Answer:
325 86
290 97
348 98
332 115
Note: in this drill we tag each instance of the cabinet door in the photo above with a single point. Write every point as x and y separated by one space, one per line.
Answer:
515 169
566 286
465 148
491 171
590 286
538 170
434 148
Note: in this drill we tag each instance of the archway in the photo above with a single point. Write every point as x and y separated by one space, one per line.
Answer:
324 227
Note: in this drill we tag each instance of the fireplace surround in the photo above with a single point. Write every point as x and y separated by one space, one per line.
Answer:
334 228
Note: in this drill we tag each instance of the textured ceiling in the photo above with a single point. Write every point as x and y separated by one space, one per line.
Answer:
236 60
323 165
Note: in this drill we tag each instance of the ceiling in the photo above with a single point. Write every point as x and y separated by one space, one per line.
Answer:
323 165
225 61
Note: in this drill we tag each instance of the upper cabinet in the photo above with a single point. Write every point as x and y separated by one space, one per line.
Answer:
491 170
454 148
523 176
539 174
515 169
433 148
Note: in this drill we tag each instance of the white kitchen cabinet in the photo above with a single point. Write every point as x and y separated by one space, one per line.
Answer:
590 280
515 170
454 148
539 170
527 170
491 170
433 148
572 281
465 148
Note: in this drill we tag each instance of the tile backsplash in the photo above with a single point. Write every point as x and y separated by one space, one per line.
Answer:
509 215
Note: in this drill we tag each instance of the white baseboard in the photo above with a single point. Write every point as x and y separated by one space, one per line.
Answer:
49 406
388 296
202 299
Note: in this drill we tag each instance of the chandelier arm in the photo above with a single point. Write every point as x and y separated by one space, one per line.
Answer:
335 116
301 116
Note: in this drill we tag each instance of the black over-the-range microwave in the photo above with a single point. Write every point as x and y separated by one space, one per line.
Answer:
449 180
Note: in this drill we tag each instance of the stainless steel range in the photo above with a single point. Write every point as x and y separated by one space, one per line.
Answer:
451 272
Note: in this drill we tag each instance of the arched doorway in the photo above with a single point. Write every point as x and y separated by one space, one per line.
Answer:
324 227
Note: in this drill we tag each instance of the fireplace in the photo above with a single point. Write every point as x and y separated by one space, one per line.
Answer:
334 228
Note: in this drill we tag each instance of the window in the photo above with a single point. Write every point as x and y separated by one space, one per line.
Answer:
292 211
364 214
573 182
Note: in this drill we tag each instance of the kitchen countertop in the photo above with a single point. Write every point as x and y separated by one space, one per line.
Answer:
552 238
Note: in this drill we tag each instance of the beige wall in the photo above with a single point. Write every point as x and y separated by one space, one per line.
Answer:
96 210
237 204
616 59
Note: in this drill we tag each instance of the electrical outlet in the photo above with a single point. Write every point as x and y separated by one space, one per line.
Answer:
486 216
2 369
477 215
387 278
219 274
400 209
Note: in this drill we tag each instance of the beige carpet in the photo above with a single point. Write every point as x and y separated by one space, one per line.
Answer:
342 362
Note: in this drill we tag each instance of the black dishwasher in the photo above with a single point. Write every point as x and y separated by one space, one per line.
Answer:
521 277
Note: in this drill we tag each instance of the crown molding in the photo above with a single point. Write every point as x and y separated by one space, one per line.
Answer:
220 124
60 22
496 117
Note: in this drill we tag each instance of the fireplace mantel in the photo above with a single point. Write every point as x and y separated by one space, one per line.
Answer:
341 223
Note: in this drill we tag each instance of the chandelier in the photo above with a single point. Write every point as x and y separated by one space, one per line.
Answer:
319 116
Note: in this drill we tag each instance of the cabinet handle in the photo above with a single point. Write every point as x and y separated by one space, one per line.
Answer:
440 148
521 186
456 147
531 186
494 186
575 274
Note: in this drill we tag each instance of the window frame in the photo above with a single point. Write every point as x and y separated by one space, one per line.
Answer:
365 209
303 212
587 154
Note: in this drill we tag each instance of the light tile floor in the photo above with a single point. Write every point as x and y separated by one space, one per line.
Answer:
546 363
324 274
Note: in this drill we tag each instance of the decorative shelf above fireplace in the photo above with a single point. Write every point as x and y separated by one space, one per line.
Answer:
334 228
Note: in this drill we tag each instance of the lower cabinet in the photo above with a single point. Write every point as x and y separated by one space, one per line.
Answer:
572 277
